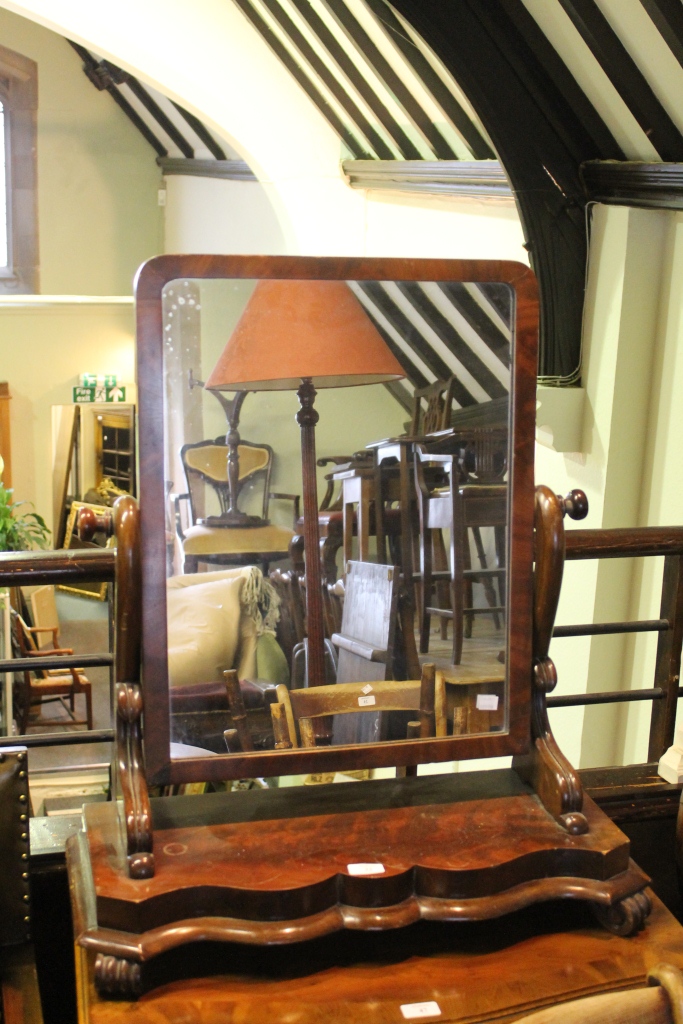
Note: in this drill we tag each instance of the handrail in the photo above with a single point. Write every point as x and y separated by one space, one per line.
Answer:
35 568
59 739
639 542
625 542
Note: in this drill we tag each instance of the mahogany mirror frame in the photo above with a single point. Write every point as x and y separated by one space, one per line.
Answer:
151 279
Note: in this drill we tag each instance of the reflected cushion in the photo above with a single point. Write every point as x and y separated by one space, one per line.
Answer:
203 630
216 540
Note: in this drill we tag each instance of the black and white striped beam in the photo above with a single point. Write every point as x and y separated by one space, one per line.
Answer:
173 133
439 330
626 57
372 78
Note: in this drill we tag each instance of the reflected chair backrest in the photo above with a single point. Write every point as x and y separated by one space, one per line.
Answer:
206 464
301 707
439 406
45 616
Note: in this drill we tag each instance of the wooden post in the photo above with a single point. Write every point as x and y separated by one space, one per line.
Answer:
5 447
668 663
232 439
307 417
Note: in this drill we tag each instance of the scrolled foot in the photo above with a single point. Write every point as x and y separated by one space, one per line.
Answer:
575 823
141 865
625 917
117 977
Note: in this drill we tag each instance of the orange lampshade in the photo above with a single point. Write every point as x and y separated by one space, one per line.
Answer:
295 329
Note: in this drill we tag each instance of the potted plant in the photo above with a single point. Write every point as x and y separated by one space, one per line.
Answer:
19 531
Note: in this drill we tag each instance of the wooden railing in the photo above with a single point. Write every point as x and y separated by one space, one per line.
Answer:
638 542
37 568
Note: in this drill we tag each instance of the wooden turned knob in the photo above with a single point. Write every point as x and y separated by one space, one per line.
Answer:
574 505
89 523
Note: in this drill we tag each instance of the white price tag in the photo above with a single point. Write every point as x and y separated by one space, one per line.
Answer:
418 1011
367 688
365 869
487 702
365 702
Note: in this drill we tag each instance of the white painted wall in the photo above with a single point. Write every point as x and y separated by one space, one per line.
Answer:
98 217
45 345
628 467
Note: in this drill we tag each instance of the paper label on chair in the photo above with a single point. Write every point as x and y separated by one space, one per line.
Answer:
365 869
365 702
487 702
366 689
417 1011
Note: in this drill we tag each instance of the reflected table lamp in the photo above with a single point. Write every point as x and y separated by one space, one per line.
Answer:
303 335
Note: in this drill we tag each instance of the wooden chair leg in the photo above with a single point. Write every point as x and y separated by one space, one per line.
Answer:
329 546
296 553
88 704
427 587
406 613
459 559
499 534
190 564
442 588
489 589
468 592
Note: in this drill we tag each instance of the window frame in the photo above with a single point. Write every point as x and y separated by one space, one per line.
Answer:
19 96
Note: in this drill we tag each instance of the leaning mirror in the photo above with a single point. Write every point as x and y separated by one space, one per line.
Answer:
411 383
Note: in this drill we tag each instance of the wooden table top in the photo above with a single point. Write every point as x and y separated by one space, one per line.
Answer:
484 972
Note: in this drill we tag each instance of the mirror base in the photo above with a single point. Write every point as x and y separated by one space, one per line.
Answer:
275 866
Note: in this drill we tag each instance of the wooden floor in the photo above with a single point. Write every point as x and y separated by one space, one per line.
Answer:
480 651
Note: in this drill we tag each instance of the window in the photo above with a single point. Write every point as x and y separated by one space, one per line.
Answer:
18 199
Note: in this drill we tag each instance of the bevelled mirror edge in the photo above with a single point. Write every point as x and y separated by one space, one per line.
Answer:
151 281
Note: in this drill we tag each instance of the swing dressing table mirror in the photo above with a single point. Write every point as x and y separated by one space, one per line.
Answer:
295 863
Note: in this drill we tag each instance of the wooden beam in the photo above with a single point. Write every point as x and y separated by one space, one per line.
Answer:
280 50
625 75
632 183
338 54
434 84
331 81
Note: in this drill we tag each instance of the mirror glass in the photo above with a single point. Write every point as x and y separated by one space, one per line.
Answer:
421 462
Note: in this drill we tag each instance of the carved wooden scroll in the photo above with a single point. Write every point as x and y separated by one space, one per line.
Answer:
545 766
124 522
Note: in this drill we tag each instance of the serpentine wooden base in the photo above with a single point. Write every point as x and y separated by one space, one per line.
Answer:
476 973
454 848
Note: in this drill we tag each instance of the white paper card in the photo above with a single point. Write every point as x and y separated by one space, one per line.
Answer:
365 702
487 702
365 869
417 1011
367 688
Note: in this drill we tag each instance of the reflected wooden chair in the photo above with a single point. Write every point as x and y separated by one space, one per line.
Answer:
330 515
295 712
459 508
433 407
232 537
35 687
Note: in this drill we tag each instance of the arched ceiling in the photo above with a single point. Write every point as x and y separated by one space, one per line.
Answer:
566 93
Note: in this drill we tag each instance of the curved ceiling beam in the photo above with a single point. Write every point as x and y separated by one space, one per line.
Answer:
541 134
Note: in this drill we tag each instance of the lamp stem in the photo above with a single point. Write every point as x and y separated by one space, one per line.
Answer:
232 439
307 417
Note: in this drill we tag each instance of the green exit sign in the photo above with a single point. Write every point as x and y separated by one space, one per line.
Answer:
95 393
